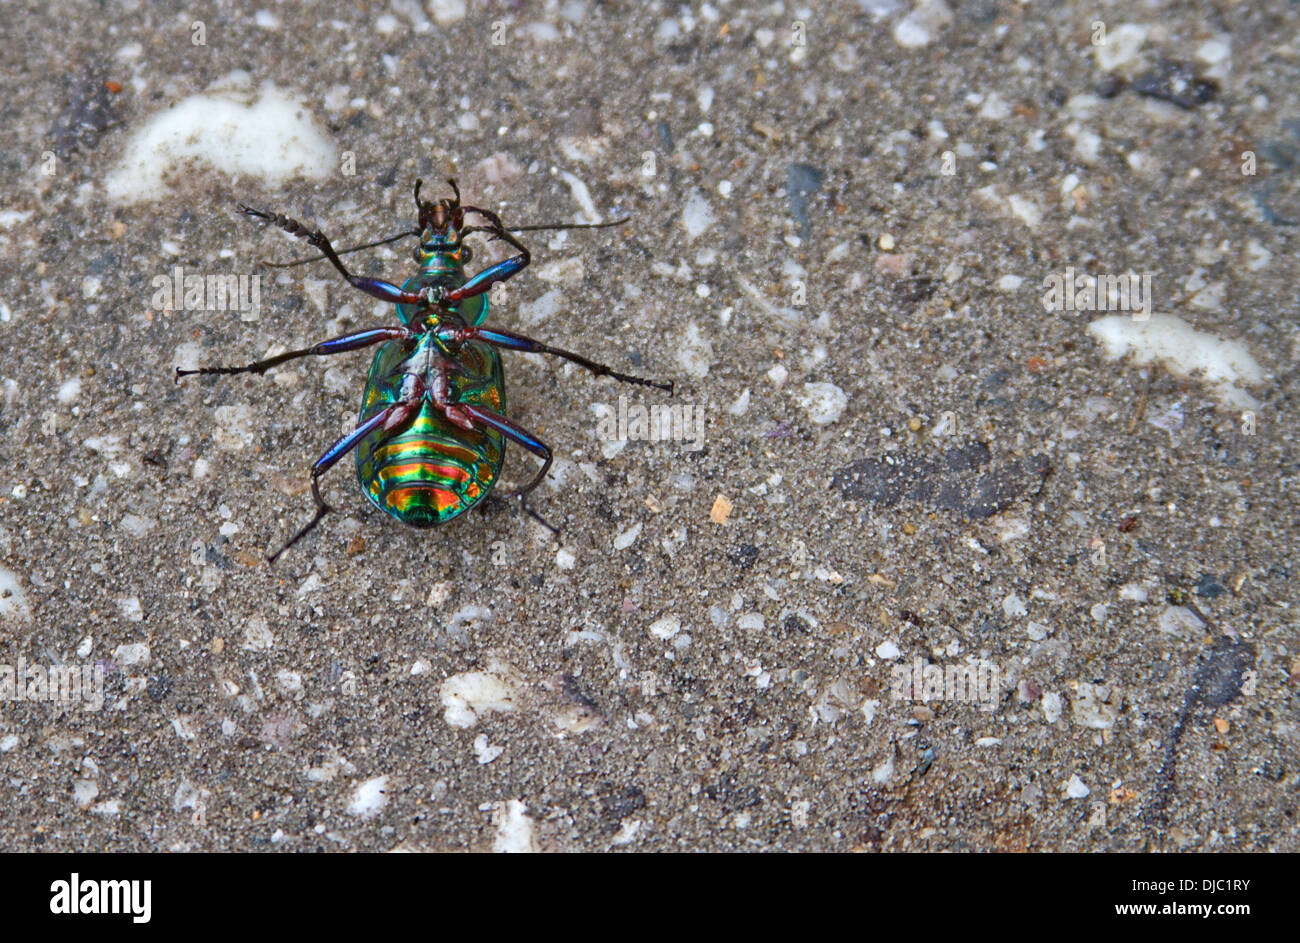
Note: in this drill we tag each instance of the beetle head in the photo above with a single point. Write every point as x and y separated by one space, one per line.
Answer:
441 222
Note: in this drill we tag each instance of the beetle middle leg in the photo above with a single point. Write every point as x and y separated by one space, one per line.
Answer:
498 337
338 345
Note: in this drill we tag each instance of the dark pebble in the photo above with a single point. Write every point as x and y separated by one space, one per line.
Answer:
1208 587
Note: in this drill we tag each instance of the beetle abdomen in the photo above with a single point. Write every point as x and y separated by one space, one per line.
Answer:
431 470
425 474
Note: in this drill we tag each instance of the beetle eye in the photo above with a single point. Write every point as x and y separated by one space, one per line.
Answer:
466 254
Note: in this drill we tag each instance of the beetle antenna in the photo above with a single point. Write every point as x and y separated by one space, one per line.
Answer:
613 222
367 245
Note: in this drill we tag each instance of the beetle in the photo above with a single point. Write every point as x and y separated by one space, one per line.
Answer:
430 440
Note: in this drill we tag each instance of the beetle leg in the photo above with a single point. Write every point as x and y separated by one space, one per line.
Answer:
516 434
485 279
385 418
376 287
364 245
528 509
512 341
338 345
521 437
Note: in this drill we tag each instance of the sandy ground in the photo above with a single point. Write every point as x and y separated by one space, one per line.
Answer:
843 221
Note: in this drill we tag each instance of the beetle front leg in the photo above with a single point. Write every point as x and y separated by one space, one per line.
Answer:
485 279
375 287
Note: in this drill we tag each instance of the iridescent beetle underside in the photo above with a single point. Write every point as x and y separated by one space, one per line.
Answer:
431 439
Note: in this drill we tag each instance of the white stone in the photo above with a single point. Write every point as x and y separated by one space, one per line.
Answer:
369 799
628 537
264 134
1120 51
666 627
14 607
824 402
136 653
920 27
697 215
1184 351
516 831
694 352
469 696
1051 704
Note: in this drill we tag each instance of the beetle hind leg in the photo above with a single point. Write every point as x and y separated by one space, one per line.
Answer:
386 418
524 439
527 509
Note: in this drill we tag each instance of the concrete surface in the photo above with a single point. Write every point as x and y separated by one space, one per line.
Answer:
844 220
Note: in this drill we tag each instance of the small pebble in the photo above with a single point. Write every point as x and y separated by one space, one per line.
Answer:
484 752
628 537
1120 51
1134 592
136 653
824 402
721 510
741 405
920 27
666 627
471 695
697 216
1051 707
694 352
369 798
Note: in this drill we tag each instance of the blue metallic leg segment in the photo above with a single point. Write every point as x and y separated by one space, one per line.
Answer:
512 341
516 434
485 279
327 461
338 345
522 437
375 287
